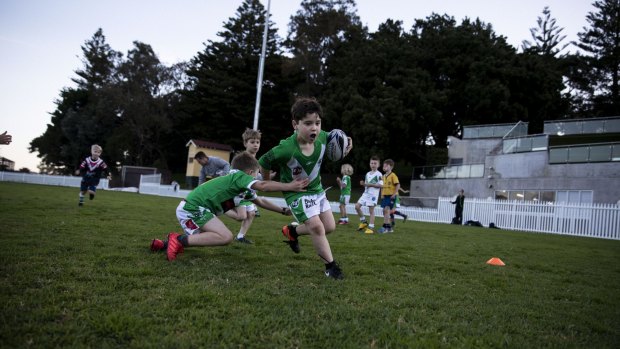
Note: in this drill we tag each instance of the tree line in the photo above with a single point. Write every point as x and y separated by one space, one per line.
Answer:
398 92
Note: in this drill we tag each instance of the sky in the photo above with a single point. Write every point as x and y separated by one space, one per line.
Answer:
40 41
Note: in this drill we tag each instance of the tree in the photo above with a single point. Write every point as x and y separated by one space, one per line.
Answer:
141 108
78 120
547 36
315 32
126 106
223 79
597 76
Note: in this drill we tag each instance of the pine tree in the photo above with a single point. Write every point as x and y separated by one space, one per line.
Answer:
597 73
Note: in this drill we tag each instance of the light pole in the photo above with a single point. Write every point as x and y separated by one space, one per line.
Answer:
261 68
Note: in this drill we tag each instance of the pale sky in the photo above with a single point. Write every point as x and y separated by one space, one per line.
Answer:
40 40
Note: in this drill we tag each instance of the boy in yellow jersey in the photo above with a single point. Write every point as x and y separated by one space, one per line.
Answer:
389 191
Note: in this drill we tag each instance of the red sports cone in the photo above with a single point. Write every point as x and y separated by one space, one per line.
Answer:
496 261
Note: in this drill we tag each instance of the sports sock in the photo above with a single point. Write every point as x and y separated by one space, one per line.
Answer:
293 231
183 240
240 235
81 198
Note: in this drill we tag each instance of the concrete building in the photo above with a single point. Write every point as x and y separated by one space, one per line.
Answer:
6 164
574 161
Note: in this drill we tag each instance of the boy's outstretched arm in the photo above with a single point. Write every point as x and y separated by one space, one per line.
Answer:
296 185
268 205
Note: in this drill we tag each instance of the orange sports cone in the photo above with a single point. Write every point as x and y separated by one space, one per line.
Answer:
496 261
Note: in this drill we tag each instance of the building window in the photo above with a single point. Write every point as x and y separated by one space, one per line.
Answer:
501 195
532 195
574 196
560 196
190 160
515 195
547 196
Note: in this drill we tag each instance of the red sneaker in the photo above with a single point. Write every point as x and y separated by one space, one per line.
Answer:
174 246
157 245
343 222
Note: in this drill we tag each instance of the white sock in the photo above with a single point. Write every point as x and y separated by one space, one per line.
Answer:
240 235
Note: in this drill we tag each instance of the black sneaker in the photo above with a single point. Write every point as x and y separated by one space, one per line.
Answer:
404 218
243 240
334 272
80 203
91 196
292 241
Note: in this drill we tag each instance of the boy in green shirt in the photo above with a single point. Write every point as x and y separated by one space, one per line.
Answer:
198 213
300 156
345 191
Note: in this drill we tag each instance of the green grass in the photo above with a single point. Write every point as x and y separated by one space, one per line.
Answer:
84 277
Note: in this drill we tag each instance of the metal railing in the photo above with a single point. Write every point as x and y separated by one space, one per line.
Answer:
599 152
582 126
495 131
525 144
448 172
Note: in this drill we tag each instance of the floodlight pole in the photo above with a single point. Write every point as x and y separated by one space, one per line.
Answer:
261 68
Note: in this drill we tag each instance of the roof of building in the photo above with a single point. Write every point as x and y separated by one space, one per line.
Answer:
209 145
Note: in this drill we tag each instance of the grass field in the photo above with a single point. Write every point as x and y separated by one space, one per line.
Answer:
84 277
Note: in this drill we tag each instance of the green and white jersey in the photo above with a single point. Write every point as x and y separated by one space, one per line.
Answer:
373 178
287 159
346 180
217 195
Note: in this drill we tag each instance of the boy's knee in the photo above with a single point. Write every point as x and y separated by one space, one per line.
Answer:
227 238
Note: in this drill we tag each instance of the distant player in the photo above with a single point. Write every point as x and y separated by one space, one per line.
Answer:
389 193
246 209
91 170
345 191
372 183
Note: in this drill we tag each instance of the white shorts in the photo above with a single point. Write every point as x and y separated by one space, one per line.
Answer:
368 200
249 207
192 219
308 206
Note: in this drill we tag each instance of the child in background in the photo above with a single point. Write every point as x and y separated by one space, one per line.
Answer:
345 191
301 156
246 209
198 213
389 192
397 206
372 183
91 169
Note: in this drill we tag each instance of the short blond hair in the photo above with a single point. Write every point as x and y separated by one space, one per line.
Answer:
346 169
96 147
250 134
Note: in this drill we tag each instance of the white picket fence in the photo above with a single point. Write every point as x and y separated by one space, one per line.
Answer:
589 220
34 178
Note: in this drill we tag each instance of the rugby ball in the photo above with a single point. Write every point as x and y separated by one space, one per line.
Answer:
337 143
